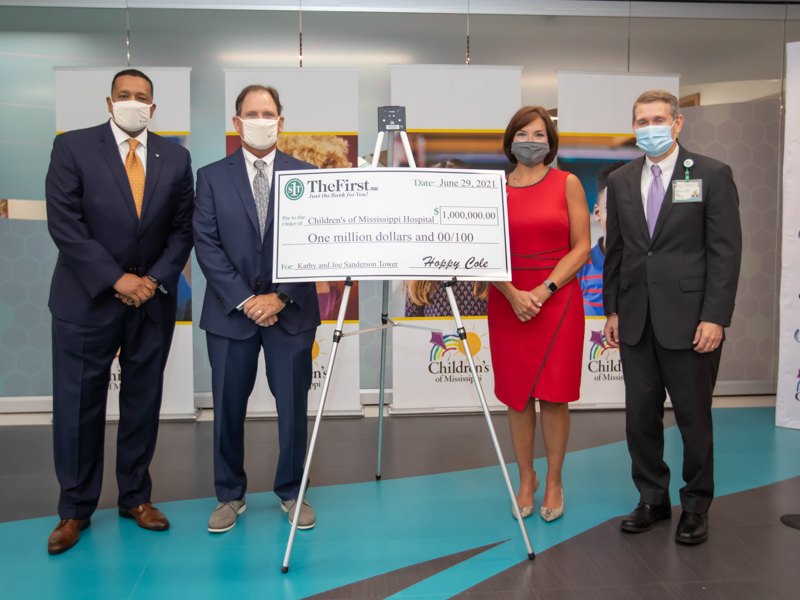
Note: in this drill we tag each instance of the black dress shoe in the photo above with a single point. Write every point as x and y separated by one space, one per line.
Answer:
692 528
645 517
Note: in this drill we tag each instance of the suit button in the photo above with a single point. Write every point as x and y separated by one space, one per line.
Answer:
259 250
645 284
649 254
258 282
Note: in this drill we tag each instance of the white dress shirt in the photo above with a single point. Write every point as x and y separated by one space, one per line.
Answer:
124 147
667 167
250 162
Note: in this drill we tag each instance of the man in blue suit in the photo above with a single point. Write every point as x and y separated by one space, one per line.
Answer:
245 311
119 209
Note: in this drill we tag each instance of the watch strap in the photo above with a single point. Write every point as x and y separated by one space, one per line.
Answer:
283 298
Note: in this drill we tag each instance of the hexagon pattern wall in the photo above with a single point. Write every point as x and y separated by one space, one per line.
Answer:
26 267
746 136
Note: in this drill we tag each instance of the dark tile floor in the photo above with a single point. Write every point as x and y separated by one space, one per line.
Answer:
750 554
182 467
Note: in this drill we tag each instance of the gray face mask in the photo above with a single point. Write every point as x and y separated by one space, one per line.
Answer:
530 153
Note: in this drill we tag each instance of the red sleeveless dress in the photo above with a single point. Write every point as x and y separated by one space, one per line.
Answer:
542 357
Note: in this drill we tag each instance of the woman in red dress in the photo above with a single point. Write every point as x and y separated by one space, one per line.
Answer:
536 321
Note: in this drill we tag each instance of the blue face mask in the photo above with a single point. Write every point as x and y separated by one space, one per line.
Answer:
654 140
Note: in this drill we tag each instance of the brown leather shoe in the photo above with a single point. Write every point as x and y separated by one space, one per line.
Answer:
147 517
66 535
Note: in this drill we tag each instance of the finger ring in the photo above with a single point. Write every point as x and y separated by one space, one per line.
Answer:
259 312
130 301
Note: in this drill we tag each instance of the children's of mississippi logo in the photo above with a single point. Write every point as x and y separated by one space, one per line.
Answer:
448 358
294 189
320 369
604 361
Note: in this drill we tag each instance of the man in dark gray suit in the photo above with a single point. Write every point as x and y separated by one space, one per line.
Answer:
673 251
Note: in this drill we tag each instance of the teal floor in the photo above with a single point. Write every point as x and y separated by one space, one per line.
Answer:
367 529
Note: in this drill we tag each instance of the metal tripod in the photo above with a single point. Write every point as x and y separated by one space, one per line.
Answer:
391 119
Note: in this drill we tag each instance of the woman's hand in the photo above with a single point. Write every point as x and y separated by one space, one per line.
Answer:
541 293
526 305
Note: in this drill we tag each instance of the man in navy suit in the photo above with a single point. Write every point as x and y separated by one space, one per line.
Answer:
244 310
119 209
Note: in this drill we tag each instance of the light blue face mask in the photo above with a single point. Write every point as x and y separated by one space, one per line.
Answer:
654 140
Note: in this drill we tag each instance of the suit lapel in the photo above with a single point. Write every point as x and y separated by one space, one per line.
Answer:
110 152
154 162
635 183
242 182
667 204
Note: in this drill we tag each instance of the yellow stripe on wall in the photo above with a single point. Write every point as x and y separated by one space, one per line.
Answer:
307 133
435 318
628 135
334 322
456 131
156 132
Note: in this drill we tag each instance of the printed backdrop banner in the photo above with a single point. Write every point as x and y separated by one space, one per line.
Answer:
594 118
80 103
456 117
601 103
787 413
81 97
328 139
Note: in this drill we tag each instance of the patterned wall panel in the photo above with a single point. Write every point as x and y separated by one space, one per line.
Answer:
26 267
746 136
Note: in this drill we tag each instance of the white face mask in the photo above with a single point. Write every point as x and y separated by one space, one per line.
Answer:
131 115
259 133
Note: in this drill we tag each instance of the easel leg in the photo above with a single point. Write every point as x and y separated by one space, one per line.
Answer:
384 320
337 336
462 334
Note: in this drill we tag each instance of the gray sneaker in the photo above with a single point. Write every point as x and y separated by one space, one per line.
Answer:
307 519
224 516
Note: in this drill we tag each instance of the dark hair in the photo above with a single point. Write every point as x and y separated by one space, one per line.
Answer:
525 116
452 163
602 178
131 73
258 88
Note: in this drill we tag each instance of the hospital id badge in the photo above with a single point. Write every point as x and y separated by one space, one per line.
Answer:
687 191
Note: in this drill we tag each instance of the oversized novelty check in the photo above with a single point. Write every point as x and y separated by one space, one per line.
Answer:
390 224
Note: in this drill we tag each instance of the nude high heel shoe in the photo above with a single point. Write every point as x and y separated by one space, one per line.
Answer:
527 510
551 514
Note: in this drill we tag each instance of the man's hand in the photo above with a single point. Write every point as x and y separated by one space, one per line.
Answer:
138 289
261 308
267 321
708 337
611 331
128 301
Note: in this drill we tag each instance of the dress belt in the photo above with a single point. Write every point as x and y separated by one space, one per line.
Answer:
539 256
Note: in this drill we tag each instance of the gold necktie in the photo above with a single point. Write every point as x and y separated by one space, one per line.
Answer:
135 170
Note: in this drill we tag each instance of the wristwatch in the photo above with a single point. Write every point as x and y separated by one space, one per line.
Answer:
283 298
550 286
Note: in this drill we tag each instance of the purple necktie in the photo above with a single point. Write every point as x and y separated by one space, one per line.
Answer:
654 199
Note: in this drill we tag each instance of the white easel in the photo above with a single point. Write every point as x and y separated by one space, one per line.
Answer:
391 119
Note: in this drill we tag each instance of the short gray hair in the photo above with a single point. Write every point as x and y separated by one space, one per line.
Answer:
658 96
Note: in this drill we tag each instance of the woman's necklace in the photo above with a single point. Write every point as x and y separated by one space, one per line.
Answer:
514 175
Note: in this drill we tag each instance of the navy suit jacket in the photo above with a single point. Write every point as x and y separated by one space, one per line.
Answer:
92 219
229 250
